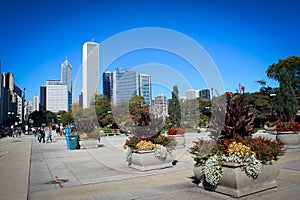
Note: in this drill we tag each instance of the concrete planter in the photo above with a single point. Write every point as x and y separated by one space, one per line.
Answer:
288 138
89 143
237 184
180 140
145 160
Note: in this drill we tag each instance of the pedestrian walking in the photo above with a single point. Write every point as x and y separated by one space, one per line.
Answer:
41 135
49 135
15 132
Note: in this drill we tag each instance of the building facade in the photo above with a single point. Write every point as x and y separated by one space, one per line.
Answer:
66 79
190 94
35 103
160 107
90 72
108 85
56 96
124 84
205 94
144 87
42 104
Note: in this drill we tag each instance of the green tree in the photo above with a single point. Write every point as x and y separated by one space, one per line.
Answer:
285 100
291 65
137 106
103 110
174 108
260 105
67 118
49 116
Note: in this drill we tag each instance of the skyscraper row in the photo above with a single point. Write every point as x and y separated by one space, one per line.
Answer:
12 101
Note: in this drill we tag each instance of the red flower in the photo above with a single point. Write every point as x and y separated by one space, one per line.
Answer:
226 143
243 88
228 94
131 116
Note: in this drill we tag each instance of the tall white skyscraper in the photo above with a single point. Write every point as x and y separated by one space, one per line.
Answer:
66 79
36 103
90 72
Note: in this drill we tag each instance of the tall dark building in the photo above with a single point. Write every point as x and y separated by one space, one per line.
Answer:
42 104
205 94
108 85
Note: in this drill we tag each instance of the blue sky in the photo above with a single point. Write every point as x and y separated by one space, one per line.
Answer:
242 37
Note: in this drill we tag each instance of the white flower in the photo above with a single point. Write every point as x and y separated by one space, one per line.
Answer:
212 170
160 152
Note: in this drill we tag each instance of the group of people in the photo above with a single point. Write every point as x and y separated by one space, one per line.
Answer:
17 132
41 132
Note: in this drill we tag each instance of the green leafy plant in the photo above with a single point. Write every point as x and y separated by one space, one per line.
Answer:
235 143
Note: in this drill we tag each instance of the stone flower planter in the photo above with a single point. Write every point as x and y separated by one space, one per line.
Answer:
237 184
145 160
90 143
288 138
180 140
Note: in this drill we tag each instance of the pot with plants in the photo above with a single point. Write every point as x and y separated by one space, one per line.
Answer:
288 133
147 149
178 134
234 163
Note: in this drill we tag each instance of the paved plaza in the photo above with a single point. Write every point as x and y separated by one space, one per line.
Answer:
35 171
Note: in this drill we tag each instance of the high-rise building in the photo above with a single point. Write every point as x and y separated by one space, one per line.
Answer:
66 79
42 104
56 96
160 105
35 103
90 72
108 85
124 84
190 94
144 87
3 98
205 94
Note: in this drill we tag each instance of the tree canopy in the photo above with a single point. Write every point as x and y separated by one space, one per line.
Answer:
292 66
174 108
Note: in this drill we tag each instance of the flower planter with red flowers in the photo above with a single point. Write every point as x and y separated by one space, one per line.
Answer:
178 134
288 133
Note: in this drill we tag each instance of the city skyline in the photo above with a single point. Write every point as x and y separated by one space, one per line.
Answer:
242 38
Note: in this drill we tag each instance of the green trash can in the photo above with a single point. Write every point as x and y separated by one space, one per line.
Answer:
72 142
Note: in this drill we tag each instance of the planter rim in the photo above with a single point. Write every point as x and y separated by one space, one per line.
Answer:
287 132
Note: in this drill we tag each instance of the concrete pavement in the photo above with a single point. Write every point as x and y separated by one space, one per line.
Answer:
30 170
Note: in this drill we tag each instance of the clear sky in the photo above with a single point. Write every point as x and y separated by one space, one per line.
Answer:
242 37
